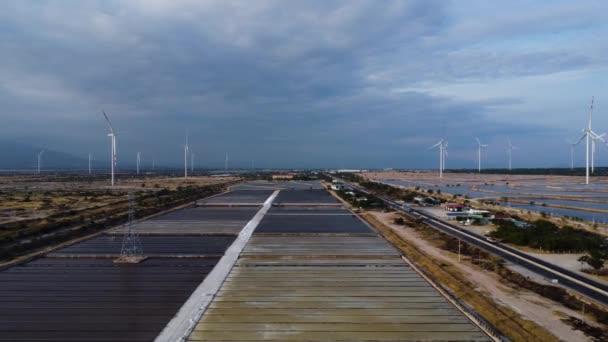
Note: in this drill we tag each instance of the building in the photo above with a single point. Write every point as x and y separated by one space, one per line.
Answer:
283 176
453 207
337 186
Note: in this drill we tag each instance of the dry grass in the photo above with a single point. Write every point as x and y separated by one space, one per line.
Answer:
25 198
172 183
503 318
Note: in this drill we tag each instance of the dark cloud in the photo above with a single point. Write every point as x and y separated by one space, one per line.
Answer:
286 83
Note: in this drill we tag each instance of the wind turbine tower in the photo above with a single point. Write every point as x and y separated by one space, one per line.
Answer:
510 148
138 161
186 151
112 136
572 145
90 158
192 162
40 159
226 162
589 136
479 147
442 144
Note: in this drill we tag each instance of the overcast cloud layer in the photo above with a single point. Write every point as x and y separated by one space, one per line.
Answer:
308 83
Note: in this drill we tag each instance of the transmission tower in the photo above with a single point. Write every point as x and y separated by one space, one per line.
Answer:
131 245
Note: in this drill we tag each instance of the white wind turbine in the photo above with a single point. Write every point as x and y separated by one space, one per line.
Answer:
479 146
90 158
192 162
112 136
589 136
186 151
138 161
572 145
40 159
510 148
443 145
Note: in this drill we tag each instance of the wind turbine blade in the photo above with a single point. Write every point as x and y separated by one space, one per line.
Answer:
581 139
478 142
594 136
437 144
108 122
590 113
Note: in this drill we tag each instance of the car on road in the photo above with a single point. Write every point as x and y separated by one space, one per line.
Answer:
489 239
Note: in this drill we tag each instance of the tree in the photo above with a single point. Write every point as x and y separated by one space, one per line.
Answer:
593 259
399 221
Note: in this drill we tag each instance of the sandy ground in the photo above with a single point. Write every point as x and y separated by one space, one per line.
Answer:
30 197
555 182
172 182
567 261
531 306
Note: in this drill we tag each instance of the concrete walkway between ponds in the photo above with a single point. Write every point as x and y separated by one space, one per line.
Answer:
185 320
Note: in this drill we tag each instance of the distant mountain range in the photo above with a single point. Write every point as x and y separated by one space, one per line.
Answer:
14 155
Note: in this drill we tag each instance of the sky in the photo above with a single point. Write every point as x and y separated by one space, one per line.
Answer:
295 84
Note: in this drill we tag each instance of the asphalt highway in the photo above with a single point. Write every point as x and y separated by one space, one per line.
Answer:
588 287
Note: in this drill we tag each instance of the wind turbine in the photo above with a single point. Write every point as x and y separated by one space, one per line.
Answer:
588 135
186 151
112 136
90 158
442 144
192 162
572 145
226 162
510 148
138 161
479 146
40 159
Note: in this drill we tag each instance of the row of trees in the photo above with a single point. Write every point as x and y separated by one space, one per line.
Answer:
546 235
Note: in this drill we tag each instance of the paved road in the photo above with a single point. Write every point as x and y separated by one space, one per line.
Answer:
577 282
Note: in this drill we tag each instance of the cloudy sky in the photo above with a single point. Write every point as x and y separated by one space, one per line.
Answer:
305 83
